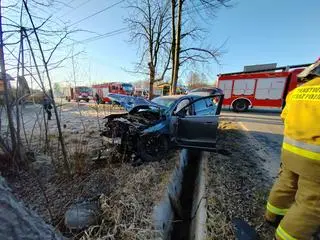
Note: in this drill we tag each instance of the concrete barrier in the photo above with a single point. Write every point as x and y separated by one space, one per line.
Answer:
164 212
198 230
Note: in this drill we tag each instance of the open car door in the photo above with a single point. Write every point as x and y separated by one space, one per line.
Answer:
197 123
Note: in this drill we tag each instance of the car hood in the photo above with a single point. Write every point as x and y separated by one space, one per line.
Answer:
132 103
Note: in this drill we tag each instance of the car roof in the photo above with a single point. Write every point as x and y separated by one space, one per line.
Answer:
193 95
205 89
172 96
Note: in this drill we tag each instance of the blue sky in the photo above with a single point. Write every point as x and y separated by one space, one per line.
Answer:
255 32
269 31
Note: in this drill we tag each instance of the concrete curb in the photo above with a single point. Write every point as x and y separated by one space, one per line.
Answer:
163 214
199 206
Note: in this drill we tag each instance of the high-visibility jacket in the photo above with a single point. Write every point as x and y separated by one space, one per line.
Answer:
302 128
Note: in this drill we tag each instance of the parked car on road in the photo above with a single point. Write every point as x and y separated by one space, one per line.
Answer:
150 128
203 91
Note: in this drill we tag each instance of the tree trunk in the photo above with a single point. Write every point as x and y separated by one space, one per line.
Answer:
151 80
61 138
173 43
13 146
19 151
33 57
177 50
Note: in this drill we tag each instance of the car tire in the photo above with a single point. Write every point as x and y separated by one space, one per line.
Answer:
152 154
240 105
87 100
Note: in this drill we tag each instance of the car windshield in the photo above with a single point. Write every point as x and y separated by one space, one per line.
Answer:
164 101
127 87
84 89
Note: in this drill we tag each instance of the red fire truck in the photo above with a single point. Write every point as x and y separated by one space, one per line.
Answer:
102 90
77 93
267 88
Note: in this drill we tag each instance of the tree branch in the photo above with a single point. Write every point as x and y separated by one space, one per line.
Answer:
55 47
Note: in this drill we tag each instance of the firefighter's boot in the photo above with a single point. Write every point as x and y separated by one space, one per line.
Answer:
297 199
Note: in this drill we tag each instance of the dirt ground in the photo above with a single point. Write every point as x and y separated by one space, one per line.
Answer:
237 187
129 193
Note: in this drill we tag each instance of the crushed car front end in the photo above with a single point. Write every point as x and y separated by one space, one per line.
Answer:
138 132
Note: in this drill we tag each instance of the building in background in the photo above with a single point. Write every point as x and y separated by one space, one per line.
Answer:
8 78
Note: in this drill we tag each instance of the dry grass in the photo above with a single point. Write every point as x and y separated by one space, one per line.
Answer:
128 196
102 110
127 211
237 187
78 155
129 193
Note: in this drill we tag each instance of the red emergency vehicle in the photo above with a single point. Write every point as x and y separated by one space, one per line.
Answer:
102 90
77 93
266 89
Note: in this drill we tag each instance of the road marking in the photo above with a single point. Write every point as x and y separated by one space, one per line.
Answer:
243 126
260 149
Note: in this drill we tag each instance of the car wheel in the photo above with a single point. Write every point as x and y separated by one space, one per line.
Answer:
152 148
241 105
87 100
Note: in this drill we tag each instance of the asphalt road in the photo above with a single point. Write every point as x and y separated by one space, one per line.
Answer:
265 133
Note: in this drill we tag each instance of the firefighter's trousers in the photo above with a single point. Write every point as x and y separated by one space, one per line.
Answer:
297 198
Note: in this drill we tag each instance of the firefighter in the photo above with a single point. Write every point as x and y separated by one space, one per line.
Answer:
47 105
294 201
98 100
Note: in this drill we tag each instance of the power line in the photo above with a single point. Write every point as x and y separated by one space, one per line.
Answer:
70 2
75 8
105 35
110 34
96 13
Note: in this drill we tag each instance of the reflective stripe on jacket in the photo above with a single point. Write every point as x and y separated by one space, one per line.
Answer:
301 148
302 120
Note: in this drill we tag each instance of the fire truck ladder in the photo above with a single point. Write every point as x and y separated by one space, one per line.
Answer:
284 68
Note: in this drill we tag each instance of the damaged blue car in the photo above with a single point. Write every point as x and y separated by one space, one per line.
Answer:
150 128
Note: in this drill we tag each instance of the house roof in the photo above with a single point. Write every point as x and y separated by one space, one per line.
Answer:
8 77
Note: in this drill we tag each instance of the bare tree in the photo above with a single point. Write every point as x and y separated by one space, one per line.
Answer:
196 80
149 25
45 62
11 150
14 34
180 9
